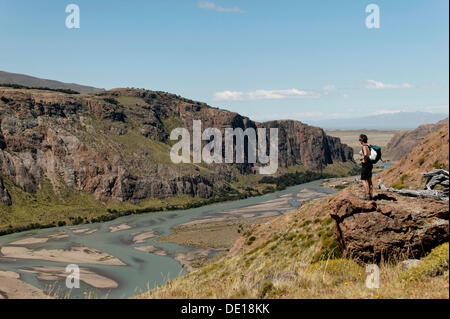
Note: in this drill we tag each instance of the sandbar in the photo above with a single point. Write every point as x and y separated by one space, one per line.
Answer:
141 238
152 249
13 288
29 241
77 255
86 275
120 227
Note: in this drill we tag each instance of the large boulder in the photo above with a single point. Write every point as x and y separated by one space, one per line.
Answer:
391 227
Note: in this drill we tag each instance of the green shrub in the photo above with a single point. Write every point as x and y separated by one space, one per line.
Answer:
251 240
421 161
307 243
290 237
306 223
329 250
435 264
339 269
265 288
399 184
438 165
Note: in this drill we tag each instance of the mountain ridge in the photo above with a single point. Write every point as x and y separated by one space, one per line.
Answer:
114 145
35 82
399 120
404 141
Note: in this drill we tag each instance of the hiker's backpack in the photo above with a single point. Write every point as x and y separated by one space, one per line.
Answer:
375 153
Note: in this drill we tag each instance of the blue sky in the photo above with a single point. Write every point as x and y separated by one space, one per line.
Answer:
286 59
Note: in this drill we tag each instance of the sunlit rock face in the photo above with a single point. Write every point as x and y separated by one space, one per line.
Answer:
115 144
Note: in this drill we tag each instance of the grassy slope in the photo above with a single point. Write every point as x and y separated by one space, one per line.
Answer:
295 256
431 153
50 207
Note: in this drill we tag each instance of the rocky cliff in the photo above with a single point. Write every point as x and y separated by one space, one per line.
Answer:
115 144
404 141
308 145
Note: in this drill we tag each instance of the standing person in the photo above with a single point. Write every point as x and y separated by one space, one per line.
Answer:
366 170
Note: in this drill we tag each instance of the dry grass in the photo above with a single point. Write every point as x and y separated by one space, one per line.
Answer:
431 153
294 256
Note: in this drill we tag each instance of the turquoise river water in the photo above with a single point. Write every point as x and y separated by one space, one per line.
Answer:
142 270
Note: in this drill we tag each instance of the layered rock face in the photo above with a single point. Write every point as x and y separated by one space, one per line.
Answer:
115 144
390 227
308 145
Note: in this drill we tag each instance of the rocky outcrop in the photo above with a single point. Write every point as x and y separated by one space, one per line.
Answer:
404 141
115 144
391 227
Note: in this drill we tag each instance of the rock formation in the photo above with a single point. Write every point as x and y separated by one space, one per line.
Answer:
391 227
115 144
308 145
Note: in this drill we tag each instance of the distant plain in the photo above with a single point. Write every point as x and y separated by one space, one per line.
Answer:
376 137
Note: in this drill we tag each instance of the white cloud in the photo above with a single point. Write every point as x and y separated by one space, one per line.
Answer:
264 95
372 84
382 112
329 89
212 6
332 91
428 109
436 109
280 116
